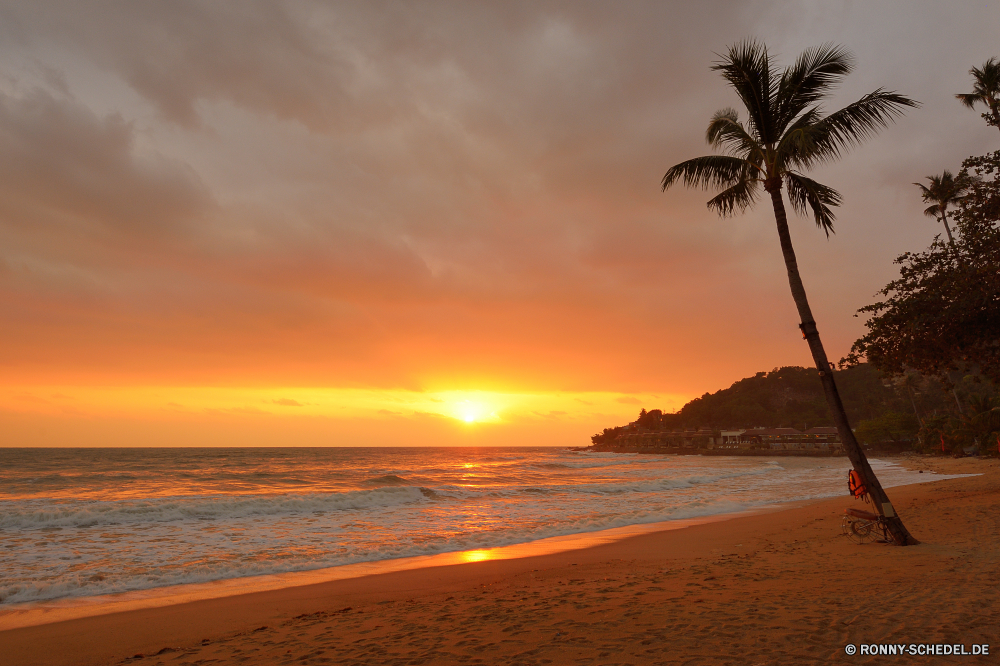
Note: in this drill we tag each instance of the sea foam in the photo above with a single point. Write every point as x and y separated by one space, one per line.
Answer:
89 522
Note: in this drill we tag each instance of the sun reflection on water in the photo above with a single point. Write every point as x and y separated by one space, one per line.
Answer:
477 555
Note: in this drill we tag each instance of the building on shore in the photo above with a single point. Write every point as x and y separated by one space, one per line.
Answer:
784 439
820 439
640 438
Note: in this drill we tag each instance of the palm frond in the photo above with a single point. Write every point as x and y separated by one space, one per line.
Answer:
784 132
852 125
708 171
735 199
933 211
969 99
806 194
726 132
747 68
986 87
800 139
814 74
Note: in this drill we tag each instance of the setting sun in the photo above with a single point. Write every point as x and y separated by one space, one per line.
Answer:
470 411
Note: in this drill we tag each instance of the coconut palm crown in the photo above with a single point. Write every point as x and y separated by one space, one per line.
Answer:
785 135
785 132
942 191
985 91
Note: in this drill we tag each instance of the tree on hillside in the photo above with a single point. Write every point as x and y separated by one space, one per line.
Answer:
790 397
985 91
891 427
786 134
944 190
911 382
982 423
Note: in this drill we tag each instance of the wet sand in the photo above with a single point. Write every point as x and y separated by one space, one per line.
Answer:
775 588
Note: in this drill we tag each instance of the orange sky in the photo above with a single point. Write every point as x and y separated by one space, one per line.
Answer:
365 208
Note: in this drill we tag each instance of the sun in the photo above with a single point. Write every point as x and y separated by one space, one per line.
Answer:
471 407
470 411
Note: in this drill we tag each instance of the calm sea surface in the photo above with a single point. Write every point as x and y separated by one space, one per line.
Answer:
81 522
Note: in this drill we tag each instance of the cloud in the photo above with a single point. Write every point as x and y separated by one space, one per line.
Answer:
286 402
551 414
442 194
65 170
628 400
389 412
243 411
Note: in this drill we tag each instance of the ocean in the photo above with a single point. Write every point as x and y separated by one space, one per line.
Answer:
86 522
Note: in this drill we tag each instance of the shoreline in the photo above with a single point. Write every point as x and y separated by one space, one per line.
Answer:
744 452
33 613
706 591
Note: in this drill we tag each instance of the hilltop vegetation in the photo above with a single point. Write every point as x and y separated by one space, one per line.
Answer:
789 397
904 410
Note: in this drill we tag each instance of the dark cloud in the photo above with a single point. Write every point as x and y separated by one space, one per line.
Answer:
404 193
67 170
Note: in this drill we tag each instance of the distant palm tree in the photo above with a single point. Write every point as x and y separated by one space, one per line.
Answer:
911 382
785 134
986 91
944 190
982 423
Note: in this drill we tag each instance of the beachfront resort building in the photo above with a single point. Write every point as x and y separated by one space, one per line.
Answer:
818 440
783 439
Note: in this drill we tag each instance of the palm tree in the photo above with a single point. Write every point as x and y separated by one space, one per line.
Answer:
785 134
982 422
944 189
985 91
911 382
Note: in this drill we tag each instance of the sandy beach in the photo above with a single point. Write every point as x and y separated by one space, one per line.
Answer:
775 588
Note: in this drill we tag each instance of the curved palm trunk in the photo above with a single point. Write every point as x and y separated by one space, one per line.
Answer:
913 403
947 229
809 330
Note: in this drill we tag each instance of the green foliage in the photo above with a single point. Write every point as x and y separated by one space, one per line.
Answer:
790 397
980 424
785 397
892 427
649 420
911 410
943 313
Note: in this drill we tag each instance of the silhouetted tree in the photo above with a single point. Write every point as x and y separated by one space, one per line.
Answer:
941 317
786 134
943 191
985 91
